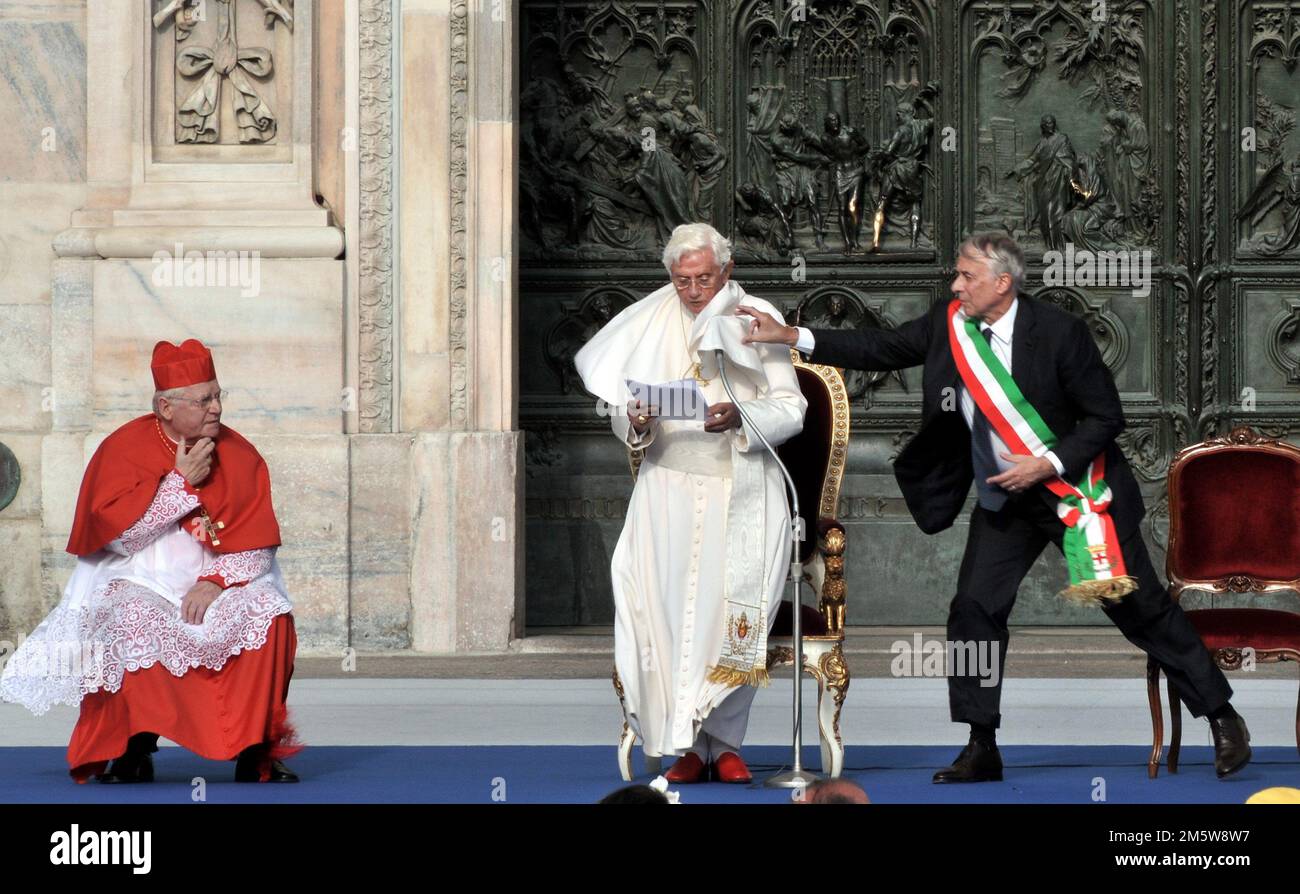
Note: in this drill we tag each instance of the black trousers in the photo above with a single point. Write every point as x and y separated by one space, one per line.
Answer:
1000 550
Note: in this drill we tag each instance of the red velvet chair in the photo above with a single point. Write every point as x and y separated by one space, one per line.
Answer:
1234 526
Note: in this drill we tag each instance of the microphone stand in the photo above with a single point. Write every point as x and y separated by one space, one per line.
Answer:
796 776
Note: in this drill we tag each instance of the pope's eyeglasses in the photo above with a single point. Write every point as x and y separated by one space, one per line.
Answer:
704 281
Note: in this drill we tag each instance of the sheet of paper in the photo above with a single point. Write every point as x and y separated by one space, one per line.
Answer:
679 399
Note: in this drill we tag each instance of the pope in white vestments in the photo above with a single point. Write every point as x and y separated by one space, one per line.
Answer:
699 569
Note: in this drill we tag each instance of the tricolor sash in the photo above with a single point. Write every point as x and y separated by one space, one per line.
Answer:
1091 544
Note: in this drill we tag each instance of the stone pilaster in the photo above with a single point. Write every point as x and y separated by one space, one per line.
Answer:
458 377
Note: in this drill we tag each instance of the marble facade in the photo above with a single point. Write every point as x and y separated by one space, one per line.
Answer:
367 340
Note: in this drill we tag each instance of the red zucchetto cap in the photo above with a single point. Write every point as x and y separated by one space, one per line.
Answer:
176 367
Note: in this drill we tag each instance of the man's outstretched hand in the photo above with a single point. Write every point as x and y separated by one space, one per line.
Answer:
765 328
195 604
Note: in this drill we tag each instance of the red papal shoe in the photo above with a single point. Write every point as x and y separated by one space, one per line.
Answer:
686 769
730 768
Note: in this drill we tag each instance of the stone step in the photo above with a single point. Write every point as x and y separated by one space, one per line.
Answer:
588 653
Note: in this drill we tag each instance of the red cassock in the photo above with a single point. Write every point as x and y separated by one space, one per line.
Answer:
215 714
223 703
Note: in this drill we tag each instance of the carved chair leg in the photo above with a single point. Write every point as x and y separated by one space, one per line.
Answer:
626 743
1157 718
823 732
1175 725
626 739
832 675
839 697
832 749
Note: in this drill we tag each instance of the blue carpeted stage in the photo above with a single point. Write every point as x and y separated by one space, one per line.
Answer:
1035 774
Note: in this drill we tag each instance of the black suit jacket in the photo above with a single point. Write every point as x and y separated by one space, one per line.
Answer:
1056 364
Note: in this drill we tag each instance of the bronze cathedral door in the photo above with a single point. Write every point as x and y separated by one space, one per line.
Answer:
1143 152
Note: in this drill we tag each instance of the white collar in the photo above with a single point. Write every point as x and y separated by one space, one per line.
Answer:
1006 323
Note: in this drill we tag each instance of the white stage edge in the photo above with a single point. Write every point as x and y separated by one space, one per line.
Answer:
878 711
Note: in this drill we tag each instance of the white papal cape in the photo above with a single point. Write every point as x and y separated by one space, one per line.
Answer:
708 516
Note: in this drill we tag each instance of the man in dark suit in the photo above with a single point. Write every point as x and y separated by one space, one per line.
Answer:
1054 361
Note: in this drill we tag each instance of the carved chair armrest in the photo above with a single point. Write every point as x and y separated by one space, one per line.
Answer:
831 543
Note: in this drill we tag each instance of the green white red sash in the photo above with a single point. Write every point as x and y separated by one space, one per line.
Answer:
1090 544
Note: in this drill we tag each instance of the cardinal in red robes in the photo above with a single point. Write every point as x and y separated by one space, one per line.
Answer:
175 622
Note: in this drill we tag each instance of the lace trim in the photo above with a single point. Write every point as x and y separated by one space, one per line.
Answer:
128 627
238 568
171 503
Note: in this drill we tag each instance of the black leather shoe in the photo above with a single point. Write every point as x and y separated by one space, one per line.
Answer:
246 768
978 762
1231 744
135 765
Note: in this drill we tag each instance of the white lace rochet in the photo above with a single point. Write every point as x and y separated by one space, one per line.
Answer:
121 611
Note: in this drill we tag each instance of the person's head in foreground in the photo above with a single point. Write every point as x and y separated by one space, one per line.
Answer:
1279 794
835 791
634 794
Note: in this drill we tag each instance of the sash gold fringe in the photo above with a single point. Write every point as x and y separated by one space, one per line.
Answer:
730 676
1095 592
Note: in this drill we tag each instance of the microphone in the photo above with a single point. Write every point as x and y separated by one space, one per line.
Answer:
797 776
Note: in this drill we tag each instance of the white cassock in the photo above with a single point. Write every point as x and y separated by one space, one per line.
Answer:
708 520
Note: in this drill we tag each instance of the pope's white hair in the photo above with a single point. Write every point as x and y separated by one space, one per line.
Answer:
695 237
